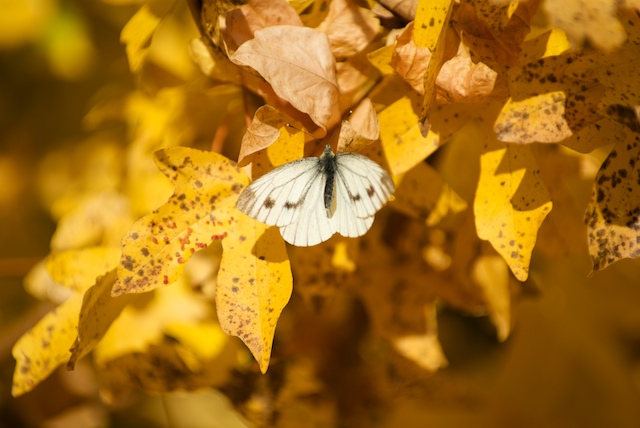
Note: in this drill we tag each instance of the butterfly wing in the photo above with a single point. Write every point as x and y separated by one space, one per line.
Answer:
364 184
277 198
312 225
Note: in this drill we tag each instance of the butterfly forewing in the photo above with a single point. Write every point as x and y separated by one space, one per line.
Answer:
276 197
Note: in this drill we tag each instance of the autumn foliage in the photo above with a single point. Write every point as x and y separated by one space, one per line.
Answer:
485 113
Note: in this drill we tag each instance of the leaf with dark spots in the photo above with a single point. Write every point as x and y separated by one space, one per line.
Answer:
613 215
254 255
168 237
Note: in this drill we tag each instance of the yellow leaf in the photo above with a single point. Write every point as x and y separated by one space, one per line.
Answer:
254 285
404 145
431 23
39 284
593 19
551 43
535 119
70 51
22 21
424 349
381 59
510 204
430 203
613 215
78 269
205 339
492 276
43 348
137 33
144 322
598 134
100 218
97 313
200 211
432 19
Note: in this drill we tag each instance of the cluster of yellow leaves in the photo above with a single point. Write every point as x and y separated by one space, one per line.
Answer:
473 80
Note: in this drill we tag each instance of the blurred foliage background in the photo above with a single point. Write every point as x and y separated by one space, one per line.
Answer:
573 358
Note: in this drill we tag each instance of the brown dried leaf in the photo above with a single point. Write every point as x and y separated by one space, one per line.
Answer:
403 8
410 60
263 131
349 27
299 65
460 80
360 130
243 22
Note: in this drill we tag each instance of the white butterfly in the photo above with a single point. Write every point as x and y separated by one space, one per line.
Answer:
310 199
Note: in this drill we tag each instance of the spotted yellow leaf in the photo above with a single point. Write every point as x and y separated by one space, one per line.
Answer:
254 285
613 216
510 204
43 348
201 210
78 269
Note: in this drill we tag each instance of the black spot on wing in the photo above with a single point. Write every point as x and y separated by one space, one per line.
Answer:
269 203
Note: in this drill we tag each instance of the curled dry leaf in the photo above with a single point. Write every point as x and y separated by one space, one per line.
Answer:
409 60
404 8
613 216
460 80
200 211
299 65
243 22
349 27
361 129
263 131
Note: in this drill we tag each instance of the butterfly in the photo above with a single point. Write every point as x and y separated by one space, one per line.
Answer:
310 199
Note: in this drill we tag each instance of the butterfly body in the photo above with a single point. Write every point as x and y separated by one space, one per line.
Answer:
310 199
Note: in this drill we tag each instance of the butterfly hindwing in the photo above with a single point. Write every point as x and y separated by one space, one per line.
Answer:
312 226
366 183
